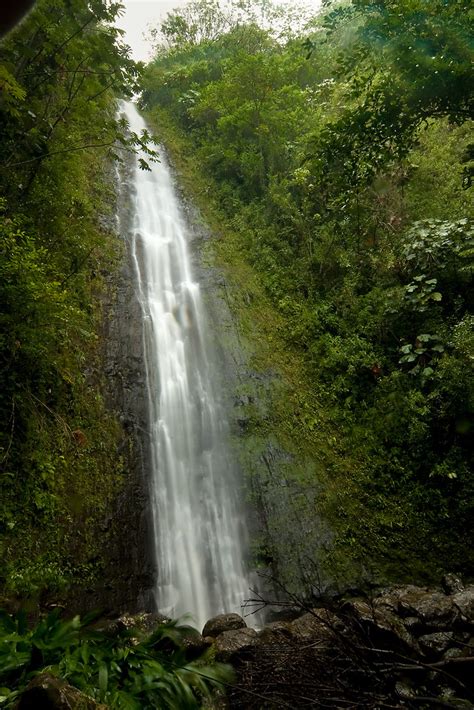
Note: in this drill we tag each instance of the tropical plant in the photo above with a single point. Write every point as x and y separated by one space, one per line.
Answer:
124 668
339 166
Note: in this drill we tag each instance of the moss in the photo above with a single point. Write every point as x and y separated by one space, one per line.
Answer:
302 532
62 471
341 505
436 165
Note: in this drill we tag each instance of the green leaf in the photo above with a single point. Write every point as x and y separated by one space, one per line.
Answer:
103 680
4 695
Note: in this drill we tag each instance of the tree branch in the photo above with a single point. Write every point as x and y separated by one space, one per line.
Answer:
64 150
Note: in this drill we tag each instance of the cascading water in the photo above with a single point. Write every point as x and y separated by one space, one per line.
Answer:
200 531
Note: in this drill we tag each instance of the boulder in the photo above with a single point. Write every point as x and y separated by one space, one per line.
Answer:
195 645
436 610
437 643
223 622
404 690
381 624
452 584
46 692
402 600
315 626
433 608
234 644
285 613
412 623
453 653
145 623
464 603
275 633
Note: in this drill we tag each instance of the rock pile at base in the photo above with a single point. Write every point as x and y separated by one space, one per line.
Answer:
407 646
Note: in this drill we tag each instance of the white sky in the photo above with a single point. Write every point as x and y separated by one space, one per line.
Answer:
138 15
141 13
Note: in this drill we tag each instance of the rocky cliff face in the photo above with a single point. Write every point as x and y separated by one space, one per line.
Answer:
285 528
130 571
129 574
279 541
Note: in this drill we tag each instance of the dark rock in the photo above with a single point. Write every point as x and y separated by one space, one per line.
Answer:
319 625
144 623
402 600
404 690
452 584
223 622
195 645
127 581
275 633
236 643
46 692
388 600
382 625
285 613
453 653
243 424
243 400
412 623
436 643
464 603
434 609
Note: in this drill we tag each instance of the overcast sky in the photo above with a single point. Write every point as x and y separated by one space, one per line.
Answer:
141 13
138 15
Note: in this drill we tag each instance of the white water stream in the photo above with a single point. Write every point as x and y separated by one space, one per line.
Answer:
200 531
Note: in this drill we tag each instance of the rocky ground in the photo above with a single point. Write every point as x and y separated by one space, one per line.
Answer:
406 647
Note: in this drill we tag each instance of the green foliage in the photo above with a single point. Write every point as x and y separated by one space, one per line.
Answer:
334 166
437 246
125 669
428 47
200 22
60 72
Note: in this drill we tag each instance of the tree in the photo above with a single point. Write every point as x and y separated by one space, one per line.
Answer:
428 46
60 73
202 21
335 174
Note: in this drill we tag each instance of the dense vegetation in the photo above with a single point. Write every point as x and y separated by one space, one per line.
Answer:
121 665
336 165
60 71
332 157
60 472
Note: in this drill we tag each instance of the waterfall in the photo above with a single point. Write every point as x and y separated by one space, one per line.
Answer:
199 526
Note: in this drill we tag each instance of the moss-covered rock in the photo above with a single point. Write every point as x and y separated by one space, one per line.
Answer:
47 692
